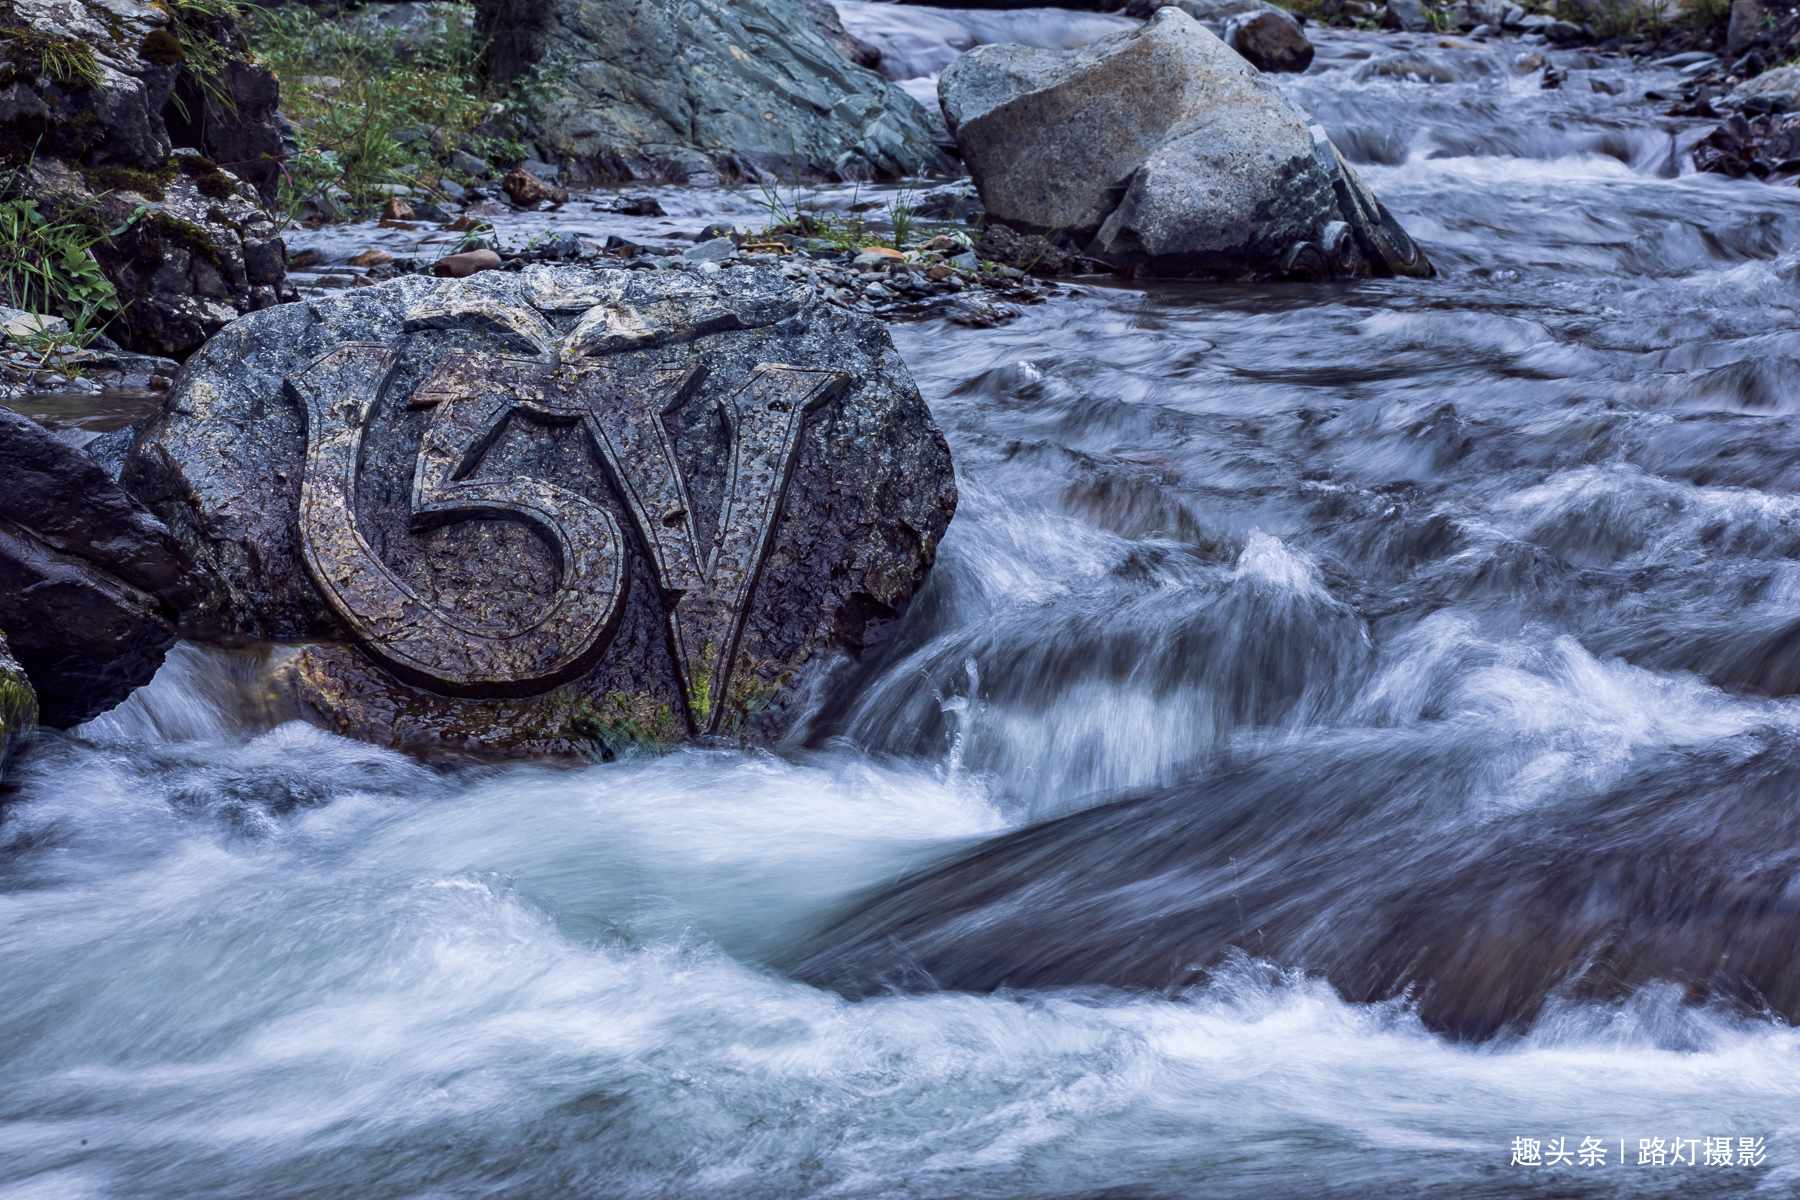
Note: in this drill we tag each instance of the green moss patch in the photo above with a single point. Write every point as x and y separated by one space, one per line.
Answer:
162 49
213 183
128 179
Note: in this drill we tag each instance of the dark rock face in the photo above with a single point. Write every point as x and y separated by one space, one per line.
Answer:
1408 15
18 704
138 131
825 18
90 583
532 509
1766 147
202 253
1163 152
665 90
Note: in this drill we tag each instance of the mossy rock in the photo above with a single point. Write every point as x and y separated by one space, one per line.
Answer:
18 704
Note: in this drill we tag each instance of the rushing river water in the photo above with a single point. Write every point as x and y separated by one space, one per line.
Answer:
1436 638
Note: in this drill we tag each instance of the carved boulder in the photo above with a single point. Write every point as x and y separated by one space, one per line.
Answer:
526 511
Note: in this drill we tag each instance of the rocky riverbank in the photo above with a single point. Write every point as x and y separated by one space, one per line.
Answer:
973 253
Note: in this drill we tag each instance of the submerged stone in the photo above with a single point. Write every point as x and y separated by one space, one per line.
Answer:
525 510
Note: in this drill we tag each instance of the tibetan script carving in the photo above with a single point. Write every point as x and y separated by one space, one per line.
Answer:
706 585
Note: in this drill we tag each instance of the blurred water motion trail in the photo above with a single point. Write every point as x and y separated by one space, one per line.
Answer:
1355 727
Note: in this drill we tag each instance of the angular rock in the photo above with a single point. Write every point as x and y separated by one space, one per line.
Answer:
136 129
1172 157
1745 27
528 191
1772 82
18 704
1406 15
90 583
638 206
701 92
1270 41
530 509
825 18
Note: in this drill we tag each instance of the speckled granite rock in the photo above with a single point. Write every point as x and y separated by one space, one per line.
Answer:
526 510
1161 151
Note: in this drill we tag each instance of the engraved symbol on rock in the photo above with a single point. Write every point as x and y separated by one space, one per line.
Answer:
706 588
412 637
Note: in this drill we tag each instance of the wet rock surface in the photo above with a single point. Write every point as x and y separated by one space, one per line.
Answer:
1161 891
1765 147
701 93
557 506
137 133
1173 157
1270 41
18 704
91 584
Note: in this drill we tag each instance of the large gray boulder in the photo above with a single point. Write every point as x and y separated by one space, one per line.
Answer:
1163 152
523 511
91 585
667 89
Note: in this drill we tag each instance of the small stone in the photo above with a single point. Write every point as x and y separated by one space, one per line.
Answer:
396 209
638 206
942 244
528 191
875 258
370 258
321 83
1270 41
19 323
1525 64
452 189
938 273
461 266
714 249
468 164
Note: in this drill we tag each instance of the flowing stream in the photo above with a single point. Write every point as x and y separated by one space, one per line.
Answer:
1406 618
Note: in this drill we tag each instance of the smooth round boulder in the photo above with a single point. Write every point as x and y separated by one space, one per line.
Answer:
1270 41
